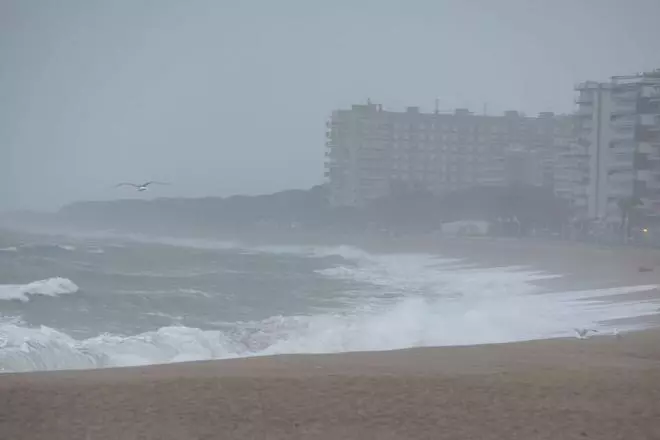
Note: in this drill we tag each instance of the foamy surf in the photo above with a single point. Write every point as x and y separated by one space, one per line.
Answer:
49 287
409 322
385 302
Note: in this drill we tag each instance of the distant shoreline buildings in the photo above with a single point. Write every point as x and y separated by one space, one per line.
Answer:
608 150
370 150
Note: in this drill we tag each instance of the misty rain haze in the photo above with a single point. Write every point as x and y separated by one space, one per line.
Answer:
329 220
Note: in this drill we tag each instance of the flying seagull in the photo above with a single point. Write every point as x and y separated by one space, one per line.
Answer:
141 187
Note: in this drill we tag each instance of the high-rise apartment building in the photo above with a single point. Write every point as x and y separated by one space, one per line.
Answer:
370 150
616 154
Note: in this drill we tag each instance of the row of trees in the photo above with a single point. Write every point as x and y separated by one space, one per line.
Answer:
405 210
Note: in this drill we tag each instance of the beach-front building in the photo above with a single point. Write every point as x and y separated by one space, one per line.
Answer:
616 155
370 149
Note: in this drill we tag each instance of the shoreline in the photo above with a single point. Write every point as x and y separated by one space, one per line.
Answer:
603 388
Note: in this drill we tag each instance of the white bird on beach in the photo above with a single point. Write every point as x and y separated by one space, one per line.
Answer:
583 333
141 187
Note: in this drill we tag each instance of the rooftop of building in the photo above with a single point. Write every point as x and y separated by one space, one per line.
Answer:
652 77
414 112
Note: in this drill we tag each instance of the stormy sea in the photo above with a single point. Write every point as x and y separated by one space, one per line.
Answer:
109 300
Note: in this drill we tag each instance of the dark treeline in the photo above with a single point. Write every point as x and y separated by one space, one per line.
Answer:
404 211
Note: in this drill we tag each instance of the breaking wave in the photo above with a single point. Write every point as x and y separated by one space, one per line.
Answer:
410 300
49 287
408 322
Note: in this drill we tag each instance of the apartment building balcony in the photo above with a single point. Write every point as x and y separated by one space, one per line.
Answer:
625 96
649 149
338 167
623 110
577 151
622 175
650 121
648 106
654 162
653 184
645 176
621 166
623 135
623 122
585 99
651 92
625 93
618 170
571 170
647 134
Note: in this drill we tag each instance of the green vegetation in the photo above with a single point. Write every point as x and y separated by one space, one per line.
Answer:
405 210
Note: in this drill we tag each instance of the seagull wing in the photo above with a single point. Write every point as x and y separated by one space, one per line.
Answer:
153 182
126 184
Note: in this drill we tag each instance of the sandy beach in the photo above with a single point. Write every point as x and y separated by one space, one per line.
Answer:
605 387
601 388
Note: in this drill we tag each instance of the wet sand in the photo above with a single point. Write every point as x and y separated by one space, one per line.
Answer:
601 388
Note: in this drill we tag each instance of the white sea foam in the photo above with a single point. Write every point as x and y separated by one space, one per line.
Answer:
9 249
40 246
417 321
49 287
423 274
431 302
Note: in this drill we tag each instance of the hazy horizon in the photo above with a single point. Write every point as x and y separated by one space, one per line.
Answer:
220 98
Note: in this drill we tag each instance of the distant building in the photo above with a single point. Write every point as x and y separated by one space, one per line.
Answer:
370 150
616 154
523 166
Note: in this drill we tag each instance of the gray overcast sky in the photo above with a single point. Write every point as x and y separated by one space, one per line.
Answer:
223 97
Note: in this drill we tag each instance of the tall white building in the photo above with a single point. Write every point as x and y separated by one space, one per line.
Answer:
616 154
591 156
